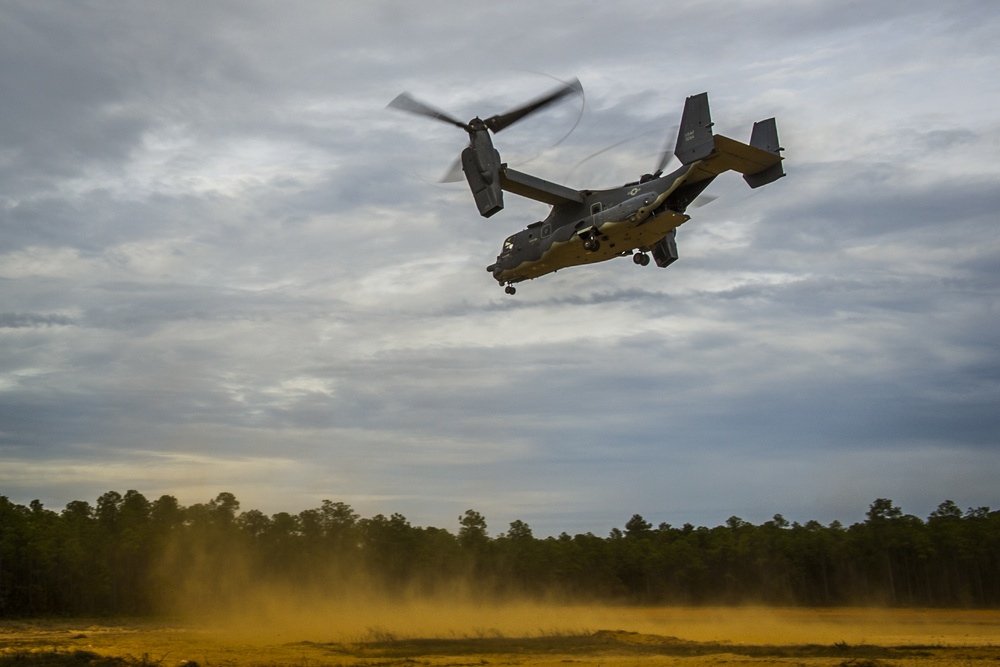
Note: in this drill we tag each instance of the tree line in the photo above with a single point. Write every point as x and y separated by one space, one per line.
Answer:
129 555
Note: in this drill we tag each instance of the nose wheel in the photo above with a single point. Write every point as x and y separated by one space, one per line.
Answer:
640 258
509 289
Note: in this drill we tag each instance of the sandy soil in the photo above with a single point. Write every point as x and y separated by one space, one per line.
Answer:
386 635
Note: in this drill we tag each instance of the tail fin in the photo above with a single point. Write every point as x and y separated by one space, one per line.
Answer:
694 137
765 137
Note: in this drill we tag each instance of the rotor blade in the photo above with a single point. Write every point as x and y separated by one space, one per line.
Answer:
668 151
455 173
406 102
508 118
701 200
593 155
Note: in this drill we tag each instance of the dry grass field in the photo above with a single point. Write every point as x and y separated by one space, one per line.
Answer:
365 634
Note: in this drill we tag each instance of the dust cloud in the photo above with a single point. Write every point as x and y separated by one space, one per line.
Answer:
222 591
286 617
363 611
226 591
269 613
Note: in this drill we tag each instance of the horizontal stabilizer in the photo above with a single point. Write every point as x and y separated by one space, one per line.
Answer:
742 158
758 166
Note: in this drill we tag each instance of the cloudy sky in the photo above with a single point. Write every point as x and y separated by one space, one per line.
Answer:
225 266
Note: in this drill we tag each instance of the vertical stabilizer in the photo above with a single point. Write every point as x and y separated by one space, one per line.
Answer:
765 137
694 137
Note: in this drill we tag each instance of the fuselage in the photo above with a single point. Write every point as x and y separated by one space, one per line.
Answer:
606 224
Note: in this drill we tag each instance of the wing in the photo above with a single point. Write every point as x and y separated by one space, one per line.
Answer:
532 187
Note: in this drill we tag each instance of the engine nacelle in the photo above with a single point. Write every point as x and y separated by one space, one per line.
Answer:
481 164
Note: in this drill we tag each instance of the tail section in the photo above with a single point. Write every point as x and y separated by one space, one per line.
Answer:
694 137
759 161
765 137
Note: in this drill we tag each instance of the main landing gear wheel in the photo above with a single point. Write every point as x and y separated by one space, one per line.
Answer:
640 258
591 243
509 289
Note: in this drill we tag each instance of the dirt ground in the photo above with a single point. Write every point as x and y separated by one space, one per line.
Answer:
433 635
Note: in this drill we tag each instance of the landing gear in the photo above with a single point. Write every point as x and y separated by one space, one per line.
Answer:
640 258
591 243
509 289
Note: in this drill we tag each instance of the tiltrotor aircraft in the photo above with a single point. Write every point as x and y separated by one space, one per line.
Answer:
586 226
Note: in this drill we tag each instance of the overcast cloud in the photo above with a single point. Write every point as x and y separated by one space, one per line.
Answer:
225 266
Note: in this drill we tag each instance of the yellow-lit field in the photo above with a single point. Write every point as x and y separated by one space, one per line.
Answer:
367 634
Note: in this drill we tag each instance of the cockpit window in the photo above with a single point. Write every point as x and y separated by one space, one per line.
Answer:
508 245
